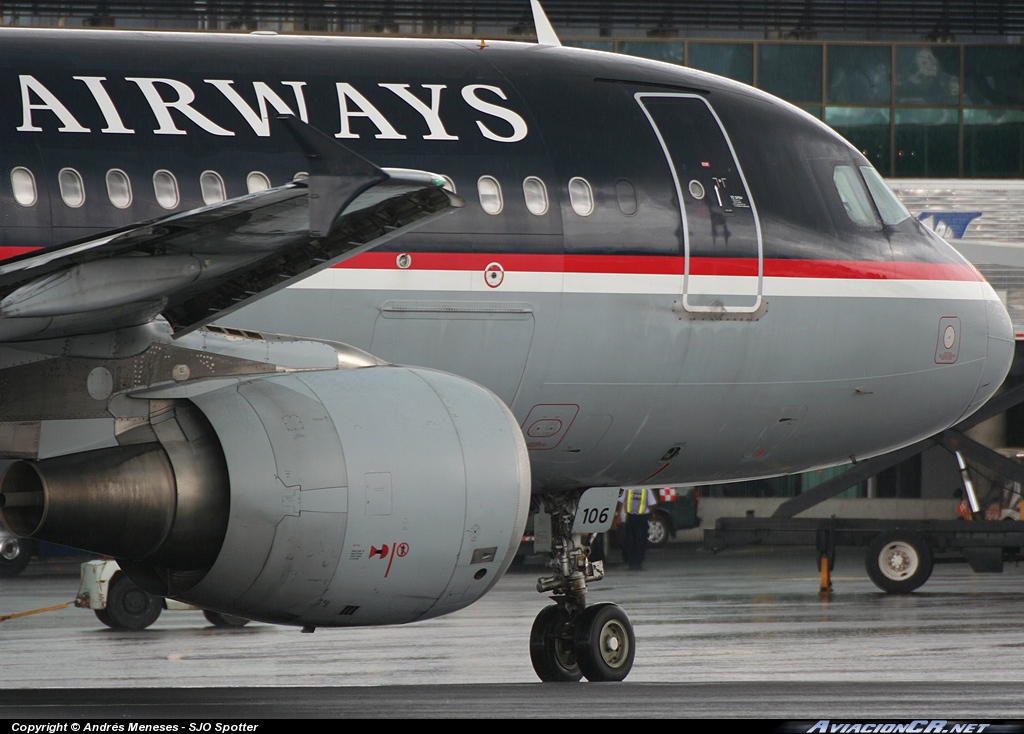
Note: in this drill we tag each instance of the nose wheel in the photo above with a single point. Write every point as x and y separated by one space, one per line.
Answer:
598 644
570 640
604 643
553 647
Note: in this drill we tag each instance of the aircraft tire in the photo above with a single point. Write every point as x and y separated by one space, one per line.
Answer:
21 552
128 606
551 649
604 643
898 561
224 620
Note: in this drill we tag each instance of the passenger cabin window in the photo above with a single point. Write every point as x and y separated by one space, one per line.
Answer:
72 189
489 191
625 197
536 194
119 188
256 181
23 185
212 187
165 186
449 184
581 196
854 197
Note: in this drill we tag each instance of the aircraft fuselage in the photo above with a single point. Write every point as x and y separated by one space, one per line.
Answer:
669 277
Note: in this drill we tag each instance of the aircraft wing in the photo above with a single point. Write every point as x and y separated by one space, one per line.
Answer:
196 266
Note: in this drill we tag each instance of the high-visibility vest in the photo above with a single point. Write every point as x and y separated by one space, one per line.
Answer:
636 501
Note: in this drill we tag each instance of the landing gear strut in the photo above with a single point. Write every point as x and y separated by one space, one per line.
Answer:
570 640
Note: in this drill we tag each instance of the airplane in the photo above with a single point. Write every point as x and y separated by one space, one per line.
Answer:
301 329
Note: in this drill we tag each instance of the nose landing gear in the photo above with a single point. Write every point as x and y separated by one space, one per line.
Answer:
570 640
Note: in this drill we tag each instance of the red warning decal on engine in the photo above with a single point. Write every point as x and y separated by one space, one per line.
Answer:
399 550
380 551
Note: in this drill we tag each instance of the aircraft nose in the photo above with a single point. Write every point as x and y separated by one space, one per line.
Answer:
1000 350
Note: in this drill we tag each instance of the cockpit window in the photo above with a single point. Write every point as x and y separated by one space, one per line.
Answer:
854 196
892 209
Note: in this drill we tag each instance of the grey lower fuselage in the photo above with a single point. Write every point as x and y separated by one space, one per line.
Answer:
643 393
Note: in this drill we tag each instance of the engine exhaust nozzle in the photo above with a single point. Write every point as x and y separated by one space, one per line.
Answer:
124 502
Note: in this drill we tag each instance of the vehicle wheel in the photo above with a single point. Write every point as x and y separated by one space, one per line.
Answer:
128 606
15 554
224 620
604 643
657 530
551 647
898 561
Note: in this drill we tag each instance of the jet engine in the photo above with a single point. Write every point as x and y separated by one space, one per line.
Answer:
378 495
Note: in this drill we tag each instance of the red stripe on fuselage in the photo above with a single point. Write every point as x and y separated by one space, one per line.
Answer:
661 265
648 265
6 253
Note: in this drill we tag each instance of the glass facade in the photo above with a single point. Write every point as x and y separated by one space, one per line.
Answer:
866 127
671 51
913 109
994 143
733 60
926 143
927 75
790 71
859 75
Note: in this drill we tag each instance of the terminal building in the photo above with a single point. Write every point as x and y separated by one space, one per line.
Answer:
931 91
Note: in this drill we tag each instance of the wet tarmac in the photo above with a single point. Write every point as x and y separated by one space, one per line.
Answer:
740 634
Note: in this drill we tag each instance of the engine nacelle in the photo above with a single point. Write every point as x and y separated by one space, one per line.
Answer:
379 495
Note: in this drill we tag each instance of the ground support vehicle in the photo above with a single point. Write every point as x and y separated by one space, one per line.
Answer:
122 605
900 553
676 510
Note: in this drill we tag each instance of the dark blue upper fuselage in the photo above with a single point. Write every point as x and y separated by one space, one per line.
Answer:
139 103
